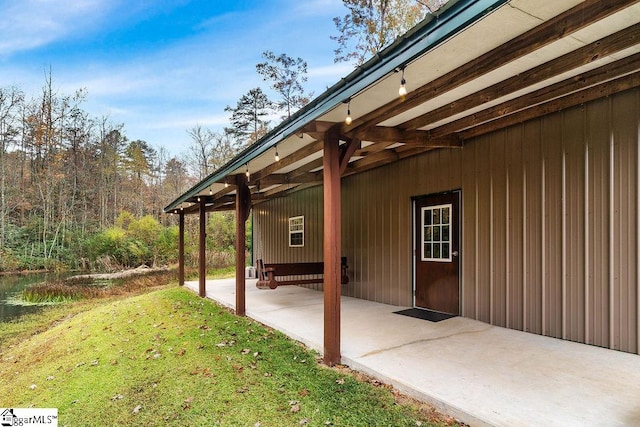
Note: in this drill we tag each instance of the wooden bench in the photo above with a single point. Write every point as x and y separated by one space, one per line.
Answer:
274 274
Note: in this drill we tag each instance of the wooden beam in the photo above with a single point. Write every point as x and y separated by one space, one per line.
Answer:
243 207
304 170
181 248
573 84
317 126
389 155
347 152
286 161
228 189
202 253
568 22
372 148
298 176
579 57
577 98
332 249
413 137
375 162
278 190
274 179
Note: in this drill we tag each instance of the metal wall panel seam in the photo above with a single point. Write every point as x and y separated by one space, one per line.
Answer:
543 245
491 254
477 237
525 264
637 169
587 242
507 250
611 224
564 237
637 229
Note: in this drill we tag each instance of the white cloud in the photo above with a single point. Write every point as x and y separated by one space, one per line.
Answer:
28 24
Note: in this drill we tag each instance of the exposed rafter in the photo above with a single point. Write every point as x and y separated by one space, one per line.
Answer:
579 57
576 98
552 30
558 90
413 137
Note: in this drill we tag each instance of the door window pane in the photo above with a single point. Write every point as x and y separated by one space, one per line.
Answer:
436 233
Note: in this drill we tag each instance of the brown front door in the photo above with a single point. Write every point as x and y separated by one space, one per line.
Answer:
437 257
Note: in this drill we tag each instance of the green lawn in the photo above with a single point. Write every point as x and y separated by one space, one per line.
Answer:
168 357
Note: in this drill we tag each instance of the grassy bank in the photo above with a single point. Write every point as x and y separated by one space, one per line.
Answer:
81 287
168 357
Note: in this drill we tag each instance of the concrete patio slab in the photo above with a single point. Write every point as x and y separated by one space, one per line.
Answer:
478 373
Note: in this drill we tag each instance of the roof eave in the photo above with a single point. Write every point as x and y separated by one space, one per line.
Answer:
425 36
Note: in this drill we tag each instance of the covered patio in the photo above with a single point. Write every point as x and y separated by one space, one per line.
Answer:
527 111
478 373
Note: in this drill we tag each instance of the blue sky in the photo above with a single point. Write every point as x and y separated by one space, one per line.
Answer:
161 67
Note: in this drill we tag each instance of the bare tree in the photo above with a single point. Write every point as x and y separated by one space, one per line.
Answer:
371 25
223 150
286 76
200 149
11 99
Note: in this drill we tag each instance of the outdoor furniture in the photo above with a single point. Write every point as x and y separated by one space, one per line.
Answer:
273 274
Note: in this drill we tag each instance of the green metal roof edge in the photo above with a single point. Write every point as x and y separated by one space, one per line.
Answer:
426 35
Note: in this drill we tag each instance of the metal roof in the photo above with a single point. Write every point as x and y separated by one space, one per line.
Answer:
477 65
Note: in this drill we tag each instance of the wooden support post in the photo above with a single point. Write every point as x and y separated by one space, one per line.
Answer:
332 251
202 256
243 206
181 249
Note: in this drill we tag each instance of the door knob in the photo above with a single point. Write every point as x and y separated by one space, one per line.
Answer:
454 253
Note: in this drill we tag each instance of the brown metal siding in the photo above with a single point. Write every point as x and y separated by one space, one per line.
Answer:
624 234
498 237
532 251
514 250
550 213
598 161
483 221
552 230
468 242
573 139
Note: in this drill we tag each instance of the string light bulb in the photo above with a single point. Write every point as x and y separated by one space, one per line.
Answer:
247 172
210 190
277 157
348 120
226 184
403 86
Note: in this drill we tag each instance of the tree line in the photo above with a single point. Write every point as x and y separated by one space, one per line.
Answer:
76 193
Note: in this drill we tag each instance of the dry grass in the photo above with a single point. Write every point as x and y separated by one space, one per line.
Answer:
65 291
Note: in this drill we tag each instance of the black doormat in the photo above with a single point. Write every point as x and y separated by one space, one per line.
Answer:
431 316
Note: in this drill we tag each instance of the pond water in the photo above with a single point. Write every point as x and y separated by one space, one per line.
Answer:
11 285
